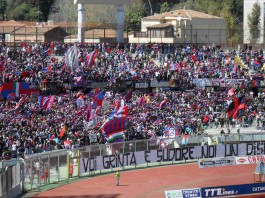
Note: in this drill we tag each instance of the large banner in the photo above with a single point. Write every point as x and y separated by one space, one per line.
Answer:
170 154
235 190
155 83
141 85
228 82
19 88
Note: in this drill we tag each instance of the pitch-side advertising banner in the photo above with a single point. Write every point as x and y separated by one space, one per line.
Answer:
185 193
216 162
250 159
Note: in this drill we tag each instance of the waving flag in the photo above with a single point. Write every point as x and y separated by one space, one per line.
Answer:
46 102
141 101
128 96
122 112
239 112
90 58
98 99
256 63
62 132
71 59
233 106
113 126
88 112
231 92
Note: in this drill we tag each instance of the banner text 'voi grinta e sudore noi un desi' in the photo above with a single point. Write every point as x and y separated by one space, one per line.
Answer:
170 154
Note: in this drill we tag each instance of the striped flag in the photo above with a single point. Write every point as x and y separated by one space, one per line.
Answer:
114 136
90 58
46 102
114 125
71 58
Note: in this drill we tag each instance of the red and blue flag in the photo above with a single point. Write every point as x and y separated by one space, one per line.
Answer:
11 96
256 63
46 102
90 58
98 99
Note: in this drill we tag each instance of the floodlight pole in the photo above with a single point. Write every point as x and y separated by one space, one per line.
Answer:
120 23
81 22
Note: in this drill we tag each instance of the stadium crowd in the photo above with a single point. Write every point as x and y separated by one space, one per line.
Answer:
189 107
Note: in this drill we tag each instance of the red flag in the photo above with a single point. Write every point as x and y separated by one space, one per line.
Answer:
128 96
62 132
88 112
239 110
49 51
233 106
2 63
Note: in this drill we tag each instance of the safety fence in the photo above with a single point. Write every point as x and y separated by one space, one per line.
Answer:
11 179
39 170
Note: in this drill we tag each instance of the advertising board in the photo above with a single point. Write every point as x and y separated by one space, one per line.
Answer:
184 193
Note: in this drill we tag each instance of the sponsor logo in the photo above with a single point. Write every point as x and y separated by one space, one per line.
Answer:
219 192
241 160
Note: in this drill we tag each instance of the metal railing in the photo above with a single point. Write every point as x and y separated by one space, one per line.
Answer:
11 183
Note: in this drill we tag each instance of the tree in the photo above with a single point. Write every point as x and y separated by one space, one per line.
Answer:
63 11
3 6
31 10
164 7
254 22
24 12
232 35
101 13
134 13
45 7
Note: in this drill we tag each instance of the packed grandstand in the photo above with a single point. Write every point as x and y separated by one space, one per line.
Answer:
62 96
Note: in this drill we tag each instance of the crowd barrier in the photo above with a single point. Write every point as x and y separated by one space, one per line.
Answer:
53 167
153 84
11 179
